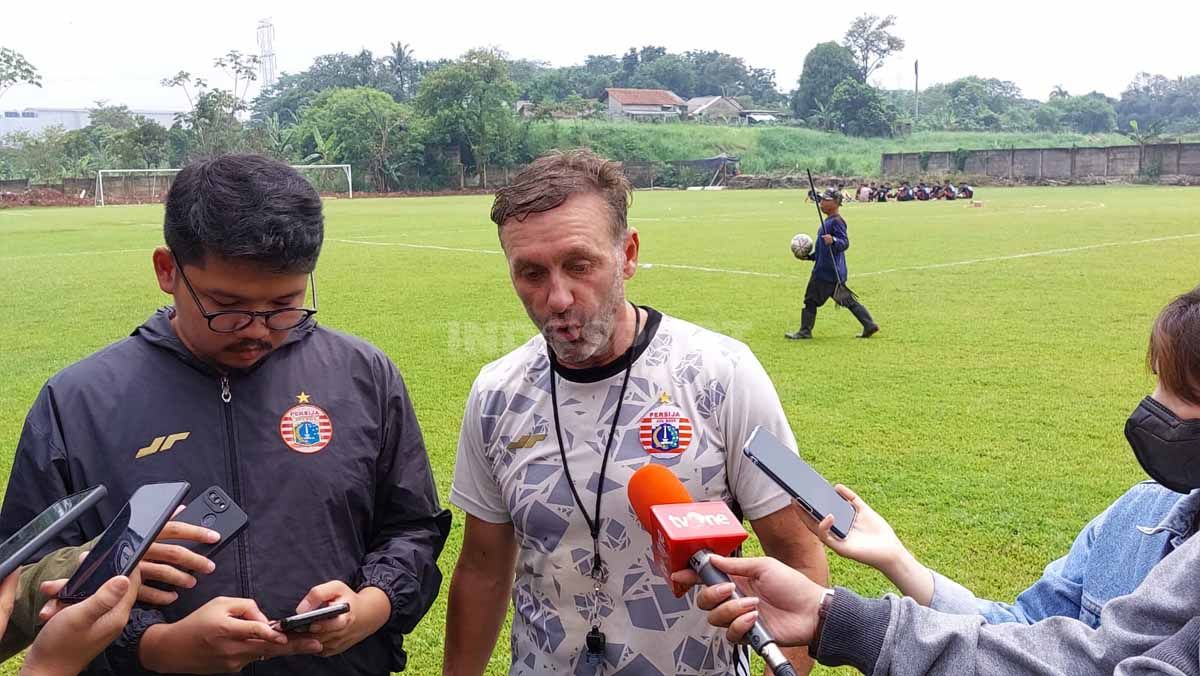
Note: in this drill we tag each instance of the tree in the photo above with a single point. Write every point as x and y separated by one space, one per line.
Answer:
113 117
14 70
871 43
142 146
1089 114
405 69
1059 92
396 74
825 67
823 117
1154 99
370 129
670 72
1143 137
243 69
278 139
760 86
469 102
213 120
860 110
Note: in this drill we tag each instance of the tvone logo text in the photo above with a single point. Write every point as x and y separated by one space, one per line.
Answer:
698 520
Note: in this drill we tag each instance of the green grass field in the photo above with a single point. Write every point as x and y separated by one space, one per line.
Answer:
985 421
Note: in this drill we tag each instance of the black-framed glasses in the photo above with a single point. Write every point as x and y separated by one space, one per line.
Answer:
232 321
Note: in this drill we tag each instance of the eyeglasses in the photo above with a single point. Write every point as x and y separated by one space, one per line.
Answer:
232 321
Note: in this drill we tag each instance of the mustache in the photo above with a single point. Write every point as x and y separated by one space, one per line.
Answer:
247 345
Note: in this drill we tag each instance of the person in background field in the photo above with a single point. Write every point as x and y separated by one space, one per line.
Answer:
554 430
1124 597
948 190
904 193
864 193
310 431
829 273
965 191
922 191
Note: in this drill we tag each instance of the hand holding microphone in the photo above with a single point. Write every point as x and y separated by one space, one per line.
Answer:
782 600
686 535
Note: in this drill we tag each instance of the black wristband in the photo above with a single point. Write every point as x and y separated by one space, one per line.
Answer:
124 653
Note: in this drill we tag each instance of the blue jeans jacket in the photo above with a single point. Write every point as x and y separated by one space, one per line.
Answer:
1109 558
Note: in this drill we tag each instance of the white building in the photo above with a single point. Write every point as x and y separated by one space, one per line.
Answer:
35 120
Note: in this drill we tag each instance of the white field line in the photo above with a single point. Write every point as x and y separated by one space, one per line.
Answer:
1031 254
76 253
875 273
420 246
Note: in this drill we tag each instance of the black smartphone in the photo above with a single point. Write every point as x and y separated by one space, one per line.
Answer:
303 621
16 550
800 480
125 541
215 510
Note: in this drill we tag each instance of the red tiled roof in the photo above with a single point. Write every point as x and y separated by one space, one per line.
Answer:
644 97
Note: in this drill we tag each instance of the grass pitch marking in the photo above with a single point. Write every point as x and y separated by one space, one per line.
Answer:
75 253
775 275
1031 254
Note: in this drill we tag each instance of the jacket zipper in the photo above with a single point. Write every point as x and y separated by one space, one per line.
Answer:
236 483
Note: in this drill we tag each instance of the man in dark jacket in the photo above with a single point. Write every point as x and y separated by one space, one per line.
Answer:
310 431
828 278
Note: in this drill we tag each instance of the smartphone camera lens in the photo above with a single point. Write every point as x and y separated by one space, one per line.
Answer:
208 520
216 502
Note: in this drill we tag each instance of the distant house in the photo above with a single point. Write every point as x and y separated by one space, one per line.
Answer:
655 105
36 119
762 116
714 109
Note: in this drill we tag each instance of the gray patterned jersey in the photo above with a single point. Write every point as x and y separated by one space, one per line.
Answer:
694 397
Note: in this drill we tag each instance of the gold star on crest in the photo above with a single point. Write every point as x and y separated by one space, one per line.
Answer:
664 398
302 398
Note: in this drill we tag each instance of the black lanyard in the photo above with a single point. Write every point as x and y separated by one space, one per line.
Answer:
594 524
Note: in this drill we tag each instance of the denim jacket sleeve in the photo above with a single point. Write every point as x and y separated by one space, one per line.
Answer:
1059 592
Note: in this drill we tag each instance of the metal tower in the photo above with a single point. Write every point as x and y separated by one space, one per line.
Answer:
266 52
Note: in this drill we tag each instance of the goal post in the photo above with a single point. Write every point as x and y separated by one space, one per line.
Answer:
139 186
326 178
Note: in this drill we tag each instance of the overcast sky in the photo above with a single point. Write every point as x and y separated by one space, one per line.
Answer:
118 51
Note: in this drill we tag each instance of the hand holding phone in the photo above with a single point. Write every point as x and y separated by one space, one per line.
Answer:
369 609
872 542
188 543
801 481
121 548
302 622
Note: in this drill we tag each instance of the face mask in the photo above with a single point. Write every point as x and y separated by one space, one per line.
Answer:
1166 447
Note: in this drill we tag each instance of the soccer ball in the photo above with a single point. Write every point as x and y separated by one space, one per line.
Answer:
802 245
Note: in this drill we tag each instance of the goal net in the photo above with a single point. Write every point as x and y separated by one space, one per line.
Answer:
144 186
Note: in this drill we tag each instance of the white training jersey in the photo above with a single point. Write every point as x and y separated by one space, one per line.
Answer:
693 399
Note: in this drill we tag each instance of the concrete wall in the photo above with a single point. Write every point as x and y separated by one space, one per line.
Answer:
1053 163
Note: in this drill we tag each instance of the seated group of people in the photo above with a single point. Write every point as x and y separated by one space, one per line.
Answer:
905 192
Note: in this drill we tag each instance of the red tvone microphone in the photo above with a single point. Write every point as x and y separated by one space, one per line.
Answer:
684 534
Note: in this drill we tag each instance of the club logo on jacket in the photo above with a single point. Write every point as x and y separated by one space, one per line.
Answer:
665 429
305 427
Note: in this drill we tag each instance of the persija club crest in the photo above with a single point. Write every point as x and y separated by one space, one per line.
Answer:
665 430
305 427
